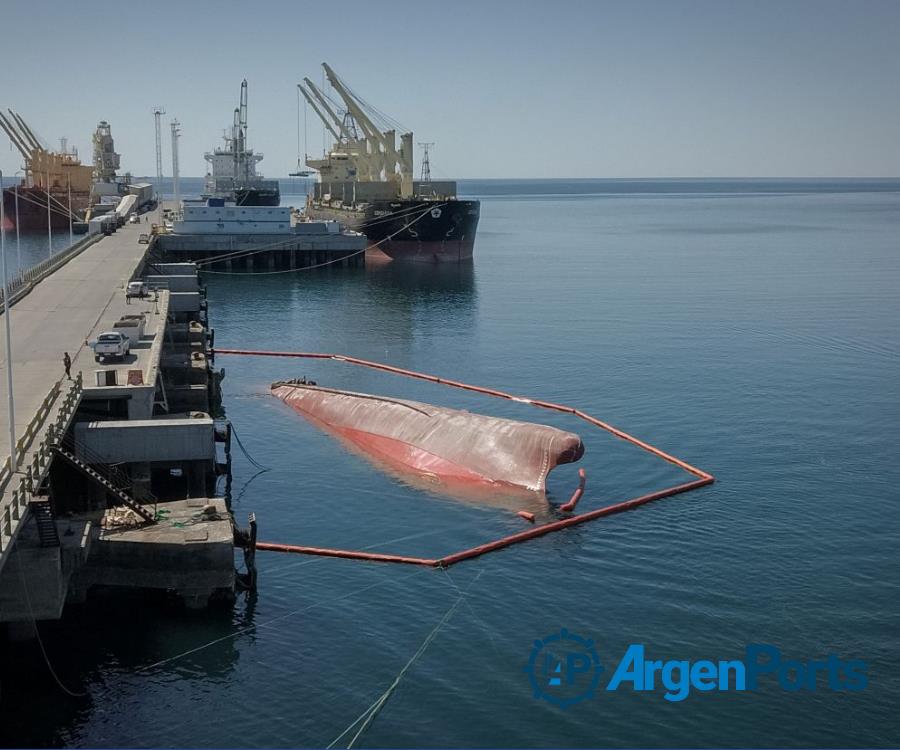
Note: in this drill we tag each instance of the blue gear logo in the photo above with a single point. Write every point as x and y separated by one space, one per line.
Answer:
564 669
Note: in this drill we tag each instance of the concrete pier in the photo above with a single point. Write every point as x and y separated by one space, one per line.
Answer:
114 468
265 252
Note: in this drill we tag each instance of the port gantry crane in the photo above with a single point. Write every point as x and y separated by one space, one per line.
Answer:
369 157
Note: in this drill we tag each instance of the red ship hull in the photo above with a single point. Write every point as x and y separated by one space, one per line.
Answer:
32 209
436 443
433 251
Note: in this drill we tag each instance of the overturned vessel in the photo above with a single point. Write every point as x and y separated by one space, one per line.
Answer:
429 441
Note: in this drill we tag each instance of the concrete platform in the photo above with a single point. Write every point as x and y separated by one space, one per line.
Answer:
185 552
81 299
35 580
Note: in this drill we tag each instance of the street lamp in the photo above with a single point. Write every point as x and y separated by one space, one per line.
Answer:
16 192
13 463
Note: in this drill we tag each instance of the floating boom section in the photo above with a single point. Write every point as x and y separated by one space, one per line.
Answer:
434 441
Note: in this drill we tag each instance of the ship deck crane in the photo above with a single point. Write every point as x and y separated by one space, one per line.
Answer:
323 118
389 154
14 137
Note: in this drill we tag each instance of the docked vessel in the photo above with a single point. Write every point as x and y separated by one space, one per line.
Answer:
366 182
434 442
56 186
232 168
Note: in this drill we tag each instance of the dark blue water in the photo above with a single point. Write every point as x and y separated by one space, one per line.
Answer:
748 327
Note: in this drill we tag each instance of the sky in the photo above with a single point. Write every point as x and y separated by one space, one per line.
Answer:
504 88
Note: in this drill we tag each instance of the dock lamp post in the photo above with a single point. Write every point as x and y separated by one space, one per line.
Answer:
16 193
13 463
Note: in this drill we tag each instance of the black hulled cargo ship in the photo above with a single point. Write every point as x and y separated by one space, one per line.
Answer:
419 229
366 182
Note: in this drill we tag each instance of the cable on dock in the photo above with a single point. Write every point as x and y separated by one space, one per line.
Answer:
703 478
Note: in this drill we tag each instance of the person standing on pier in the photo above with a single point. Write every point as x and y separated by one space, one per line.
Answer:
67 363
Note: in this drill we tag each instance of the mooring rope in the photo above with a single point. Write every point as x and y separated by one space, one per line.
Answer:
326 263
368 716
250 458
34 625
242 631
236 254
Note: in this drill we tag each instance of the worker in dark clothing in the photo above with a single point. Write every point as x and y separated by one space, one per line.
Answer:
67 363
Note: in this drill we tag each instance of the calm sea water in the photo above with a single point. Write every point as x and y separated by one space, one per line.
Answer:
748 327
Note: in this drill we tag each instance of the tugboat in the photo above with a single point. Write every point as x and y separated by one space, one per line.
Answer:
367 184
232 173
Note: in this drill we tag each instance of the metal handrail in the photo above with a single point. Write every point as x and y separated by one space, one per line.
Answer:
23 280
30 476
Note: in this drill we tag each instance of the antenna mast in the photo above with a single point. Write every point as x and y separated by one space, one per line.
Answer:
426 164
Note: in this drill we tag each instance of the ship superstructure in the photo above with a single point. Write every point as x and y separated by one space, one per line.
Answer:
232 171
106 165
54 182
366 182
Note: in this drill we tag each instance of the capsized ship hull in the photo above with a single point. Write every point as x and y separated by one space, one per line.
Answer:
436 442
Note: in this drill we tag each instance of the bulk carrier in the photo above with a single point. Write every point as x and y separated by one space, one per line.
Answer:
55 183
366 182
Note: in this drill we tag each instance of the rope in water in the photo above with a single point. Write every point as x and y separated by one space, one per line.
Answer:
368 716
34 625
250 458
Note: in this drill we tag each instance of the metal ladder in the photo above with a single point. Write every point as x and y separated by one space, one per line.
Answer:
105 482
45 522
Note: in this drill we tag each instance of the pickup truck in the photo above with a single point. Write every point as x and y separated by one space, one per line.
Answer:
112 345
137 289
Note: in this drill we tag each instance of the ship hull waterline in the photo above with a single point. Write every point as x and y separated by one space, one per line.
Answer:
424 231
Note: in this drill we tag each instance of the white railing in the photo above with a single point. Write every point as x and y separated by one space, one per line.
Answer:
24 281
17 486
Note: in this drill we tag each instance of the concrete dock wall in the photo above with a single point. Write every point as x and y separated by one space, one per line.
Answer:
179 439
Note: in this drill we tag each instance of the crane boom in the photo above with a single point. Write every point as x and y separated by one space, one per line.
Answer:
14 137
322 117
370 129
29 136
327 107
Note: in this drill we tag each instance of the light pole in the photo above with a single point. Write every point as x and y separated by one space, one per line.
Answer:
18 246
69 190
49 221
10 405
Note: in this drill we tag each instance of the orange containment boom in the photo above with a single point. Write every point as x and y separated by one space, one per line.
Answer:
702 478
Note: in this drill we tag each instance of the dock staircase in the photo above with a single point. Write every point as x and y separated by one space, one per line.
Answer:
112 479
48 535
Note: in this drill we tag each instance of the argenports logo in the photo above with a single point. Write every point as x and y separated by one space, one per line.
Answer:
565 669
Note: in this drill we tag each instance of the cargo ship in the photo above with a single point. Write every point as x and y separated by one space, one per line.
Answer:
232 168
56 186
366 182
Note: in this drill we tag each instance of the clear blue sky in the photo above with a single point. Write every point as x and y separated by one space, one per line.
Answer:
557 88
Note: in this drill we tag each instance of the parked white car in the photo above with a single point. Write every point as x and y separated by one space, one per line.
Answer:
111 345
